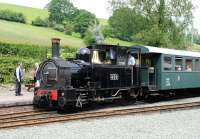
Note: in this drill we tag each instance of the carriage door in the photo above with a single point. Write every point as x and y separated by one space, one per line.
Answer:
152 72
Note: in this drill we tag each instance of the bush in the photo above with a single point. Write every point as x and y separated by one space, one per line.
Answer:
107 31
68 28
89 38
59 27
10 55
8 65
12 16
40 22
35 52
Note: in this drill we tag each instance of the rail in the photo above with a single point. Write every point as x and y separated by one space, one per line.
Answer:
49 118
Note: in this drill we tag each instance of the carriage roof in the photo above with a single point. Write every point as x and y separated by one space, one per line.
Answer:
150 49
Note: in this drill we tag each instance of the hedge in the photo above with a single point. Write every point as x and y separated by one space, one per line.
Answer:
40 22
12 16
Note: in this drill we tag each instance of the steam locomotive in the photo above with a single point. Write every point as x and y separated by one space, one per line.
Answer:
98 73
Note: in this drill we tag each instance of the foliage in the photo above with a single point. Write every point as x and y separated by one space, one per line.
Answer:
125 22
107 31
12 16
89 38
11 55
195 38
40 22
158 22
83 21
68 28
61 10
64 53
30 13
59 27
8 65
20 50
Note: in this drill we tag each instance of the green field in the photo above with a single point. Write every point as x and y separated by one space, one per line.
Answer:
17 33
30 13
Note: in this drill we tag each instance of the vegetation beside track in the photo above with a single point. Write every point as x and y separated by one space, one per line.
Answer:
11 54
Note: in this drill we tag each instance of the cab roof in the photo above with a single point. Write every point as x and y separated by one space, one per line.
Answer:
150 49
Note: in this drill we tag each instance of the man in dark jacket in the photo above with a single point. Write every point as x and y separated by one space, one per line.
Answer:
18 79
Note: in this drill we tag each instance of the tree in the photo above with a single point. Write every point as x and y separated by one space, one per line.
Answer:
167 19
61 10
125 22
82 21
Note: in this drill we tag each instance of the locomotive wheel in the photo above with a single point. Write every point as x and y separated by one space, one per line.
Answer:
134 94
144 94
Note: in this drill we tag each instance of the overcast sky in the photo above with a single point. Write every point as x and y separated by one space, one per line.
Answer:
98 7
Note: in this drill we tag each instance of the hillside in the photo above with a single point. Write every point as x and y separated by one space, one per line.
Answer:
30 13
17 33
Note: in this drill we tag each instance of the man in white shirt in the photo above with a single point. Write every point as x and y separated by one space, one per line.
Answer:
18 80
131 63
131 60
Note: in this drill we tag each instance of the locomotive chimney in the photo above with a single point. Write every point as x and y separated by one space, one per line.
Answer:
55 47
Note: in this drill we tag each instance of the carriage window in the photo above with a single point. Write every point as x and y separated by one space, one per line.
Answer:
179 64
197 65
167 63
188 64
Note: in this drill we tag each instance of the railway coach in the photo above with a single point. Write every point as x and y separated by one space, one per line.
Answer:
169 70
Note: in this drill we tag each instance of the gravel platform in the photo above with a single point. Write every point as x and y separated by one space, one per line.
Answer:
168 125
8 98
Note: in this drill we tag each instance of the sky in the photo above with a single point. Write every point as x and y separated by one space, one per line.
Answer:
98 7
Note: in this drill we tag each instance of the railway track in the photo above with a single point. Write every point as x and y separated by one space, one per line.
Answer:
48 117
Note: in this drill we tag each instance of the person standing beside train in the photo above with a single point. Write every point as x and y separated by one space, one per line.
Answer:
18 79
36 76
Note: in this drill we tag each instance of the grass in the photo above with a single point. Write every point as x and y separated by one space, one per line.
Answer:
196 47
30 13
17 33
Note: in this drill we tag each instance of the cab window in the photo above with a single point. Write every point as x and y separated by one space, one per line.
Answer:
104 57
167 63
